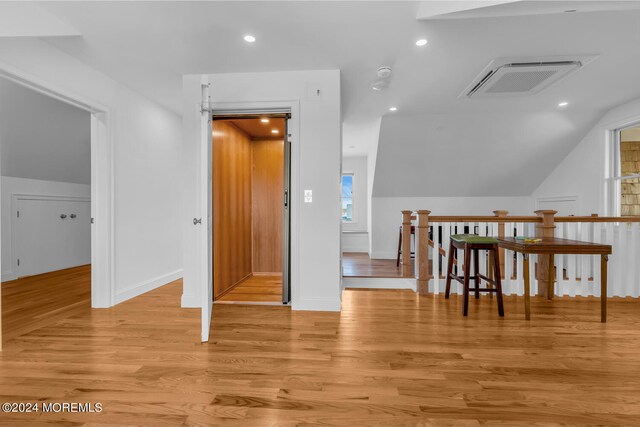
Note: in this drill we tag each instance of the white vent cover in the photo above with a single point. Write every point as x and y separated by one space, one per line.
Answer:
511 77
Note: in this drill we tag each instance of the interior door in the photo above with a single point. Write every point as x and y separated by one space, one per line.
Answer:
205 232
286 226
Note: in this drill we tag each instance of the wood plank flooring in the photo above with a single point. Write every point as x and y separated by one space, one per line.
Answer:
357 264
36 301
391 358
259 288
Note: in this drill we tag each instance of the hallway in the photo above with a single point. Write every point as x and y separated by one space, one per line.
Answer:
390 358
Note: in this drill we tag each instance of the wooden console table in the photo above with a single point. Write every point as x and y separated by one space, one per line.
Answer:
550 246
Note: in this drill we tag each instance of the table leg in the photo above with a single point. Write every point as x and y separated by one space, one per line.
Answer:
603 288
551 267
527 306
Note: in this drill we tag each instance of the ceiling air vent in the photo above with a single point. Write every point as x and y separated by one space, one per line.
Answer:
509 77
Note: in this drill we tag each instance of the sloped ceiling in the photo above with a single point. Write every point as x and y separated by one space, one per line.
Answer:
42 138
480 154
156 42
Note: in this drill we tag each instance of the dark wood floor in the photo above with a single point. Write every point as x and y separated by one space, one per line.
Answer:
358 264
390 358
259 288
36 301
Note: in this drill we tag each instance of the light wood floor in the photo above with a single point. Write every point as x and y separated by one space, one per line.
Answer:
357 264
256 289
36 301
391 358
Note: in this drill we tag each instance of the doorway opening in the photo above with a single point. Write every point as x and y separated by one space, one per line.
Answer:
46 174
251 208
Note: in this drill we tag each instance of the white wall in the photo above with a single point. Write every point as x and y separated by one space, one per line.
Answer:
146 163
387 216
584 171
11 185
43 138
316 154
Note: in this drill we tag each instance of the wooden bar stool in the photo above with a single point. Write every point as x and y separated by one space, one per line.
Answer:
472 243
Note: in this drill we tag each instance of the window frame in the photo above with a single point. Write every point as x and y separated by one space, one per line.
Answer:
614 205
353 198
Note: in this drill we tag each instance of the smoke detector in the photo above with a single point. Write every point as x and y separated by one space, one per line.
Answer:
522 76
384 72
383 80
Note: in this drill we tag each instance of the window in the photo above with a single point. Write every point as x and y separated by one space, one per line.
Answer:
627 171
347 197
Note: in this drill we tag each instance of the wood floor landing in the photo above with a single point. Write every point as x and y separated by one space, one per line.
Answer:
36 301
257 289
391 358
357 264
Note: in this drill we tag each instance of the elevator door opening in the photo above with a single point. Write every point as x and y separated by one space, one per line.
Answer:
250 201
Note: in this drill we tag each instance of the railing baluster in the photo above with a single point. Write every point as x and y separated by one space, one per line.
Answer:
459 229
435 262
597 238
508 283
585 285
571 261
633 255
625 249
612 270
446 233
560 262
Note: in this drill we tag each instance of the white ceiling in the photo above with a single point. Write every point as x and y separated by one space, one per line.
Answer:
149 45
43 138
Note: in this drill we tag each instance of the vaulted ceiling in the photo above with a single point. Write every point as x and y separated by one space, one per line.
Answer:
149 45
43 138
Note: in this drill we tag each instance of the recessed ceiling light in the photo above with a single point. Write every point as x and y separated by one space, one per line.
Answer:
563 104
393 108
249 38
274 130
264 120
421 42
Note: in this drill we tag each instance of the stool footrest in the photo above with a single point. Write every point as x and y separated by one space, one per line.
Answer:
460 279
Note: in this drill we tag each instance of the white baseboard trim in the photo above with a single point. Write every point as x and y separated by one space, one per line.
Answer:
147 286
383 255
190 301
7 276
378 283
313 304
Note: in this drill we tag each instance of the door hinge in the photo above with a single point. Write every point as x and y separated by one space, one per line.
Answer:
18 214
18 261
205 104
92 220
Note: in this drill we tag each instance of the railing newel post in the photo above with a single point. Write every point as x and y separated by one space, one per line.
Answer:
422 252
544 229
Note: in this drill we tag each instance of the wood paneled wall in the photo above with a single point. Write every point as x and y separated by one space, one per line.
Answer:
267 189
232 241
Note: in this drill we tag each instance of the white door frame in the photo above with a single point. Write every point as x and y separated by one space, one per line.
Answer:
102 195
251 107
